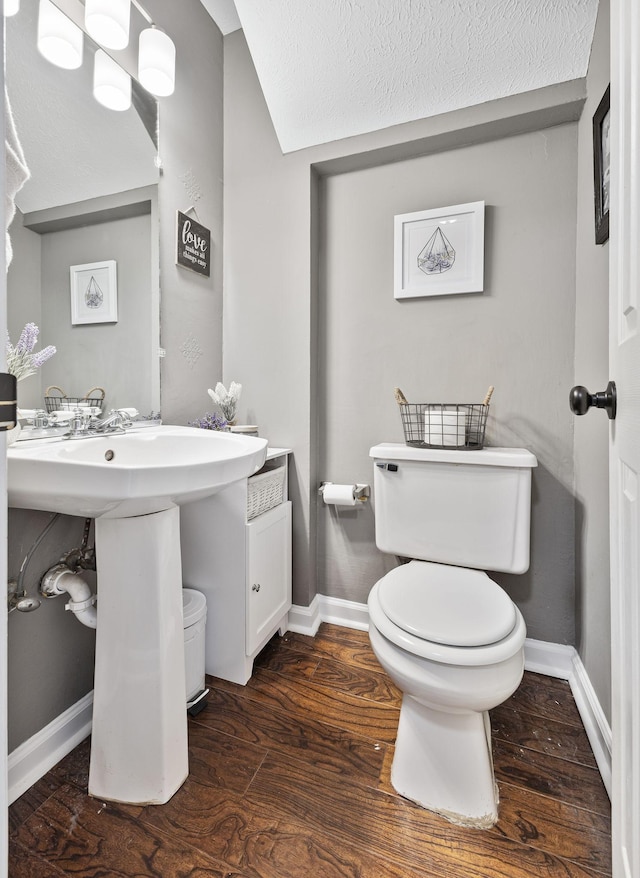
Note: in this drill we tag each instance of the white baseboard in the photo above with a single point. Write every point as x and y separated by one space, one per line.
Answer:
33 759
595 722
556 660
305 620
337 611
349 614
549 659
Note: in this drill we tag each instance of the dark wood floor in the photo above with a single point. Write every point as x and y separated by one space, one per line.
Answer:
290 779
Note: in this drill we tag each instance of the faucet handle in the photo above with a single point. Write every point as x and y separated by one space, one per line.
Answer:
79 423
40 418
37 417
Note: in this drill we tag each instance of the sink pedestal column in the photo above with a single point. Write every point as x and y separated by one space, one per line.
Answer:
139 742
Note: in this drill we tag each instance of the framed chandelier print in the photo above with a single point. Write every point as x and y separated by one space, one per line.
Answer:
439 252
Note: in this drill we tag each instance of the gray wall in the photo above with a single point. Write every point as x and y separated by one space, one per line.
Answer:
50 655
321 378
591 451
191 153
517 335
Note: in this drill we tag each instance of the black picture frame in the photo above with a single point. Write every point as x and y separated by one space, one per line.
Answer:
601 167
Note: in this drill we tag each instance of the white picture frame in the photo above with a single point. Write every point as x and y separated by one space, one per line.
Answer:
94 292
439 252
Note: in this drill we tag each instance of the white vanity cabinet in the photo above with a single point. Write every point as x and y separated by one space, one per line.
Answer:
243 567
268 574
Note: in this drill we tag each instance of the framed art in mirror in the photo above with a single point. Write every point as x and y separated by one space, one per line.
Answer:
94 292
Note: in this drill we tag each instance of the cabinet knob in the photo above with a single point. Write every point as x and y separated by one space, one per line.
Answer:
255 586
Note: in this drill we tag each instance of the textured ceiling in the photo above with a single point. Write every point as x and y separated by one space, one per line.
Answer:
334 68
223 12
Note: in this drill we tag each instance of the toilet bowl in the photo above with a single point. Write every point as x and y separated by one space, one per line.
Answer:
443 748
448 636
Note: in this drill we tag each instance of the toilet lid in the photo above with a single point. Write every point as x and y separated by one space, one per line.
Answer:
449 605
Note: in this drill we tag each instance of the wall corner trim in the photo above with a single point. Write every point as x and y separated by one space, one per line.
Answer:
37 755
549 659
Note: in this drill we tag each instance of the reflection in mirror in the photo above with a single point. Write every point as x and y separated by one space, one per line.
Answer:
91 198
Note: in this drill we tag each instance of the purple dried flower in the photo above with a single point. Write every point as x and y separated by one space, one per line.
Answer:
21 362
209 422
28 339
42 356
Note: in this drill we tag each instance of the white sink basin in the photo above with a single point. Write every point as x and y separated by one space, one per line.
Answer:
126 474
133 484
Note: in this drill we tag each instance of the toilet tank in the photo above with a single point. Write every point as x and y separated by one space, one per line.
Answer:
466 508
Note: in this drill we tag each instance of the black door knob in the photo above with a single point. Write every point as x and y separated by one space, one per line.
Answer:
581 400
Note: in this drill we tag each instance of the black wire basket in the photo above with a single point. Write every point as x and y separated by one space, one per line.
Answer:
59 401
444 425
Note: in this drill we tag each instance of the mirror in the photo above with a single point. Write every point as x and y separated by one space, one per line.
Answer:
91 198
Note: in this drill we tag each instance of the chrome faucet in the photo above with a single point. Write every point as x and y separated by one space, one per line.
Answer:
83 423
79 423
116 421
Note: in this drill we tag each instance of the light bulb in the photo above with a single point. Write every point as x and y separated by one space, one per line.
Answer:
11 7
107 21
111 84
157 62
59 39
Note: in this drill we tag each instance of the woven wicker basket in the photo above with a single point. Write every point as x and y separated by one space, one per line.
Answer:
264 491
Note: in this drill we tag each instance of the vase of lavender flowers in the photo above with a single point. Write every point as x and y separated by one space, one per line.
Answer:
23 361
227 400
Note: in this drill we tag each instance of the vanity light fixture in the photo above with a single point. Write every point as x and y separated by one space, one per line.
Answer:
11 7
59 39
111 84
107 21
157 62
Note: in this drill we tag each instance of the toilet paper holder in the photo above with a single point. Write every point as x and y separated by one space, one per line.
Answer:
360 492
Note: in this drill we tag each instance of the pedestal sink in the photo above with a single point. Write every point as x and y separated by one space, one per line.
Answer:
133 485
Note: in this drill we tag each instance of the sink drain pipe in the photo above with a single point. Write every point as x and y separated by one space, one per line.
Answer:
60 579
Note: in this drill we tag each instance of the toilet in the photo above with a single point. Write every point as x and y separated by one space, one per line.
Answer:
448 636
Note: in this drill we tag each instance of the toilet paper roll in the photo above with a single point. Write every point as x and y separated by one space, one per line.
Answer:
444 427
339 495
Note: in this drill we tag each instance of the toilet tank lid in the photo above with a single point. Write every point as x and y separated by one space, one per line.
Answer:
513 457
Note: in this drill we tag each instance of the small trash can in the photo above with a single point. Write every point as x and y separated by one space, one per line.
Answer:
194 611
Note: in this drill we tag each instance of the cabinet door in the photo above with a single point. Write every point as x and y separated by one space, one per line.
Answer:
268 573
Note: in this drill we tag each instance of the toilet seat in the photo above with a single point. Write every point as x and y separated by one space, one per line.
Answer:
453 606
488 654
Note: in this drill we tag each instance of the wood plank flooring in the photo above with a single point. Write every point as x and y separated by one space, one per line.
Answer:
290 779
